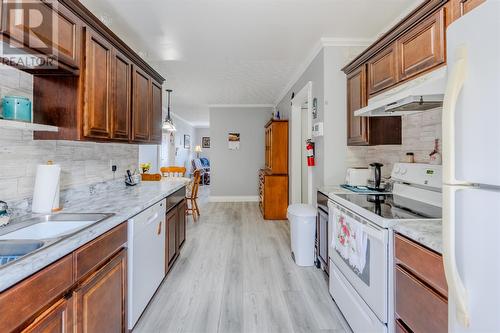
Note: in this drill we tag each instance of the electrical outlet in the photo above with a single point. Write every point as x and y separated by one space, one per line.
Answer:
113 168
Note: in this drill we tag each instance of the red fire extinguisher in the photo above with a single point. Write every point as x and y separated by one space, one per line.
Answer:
310 153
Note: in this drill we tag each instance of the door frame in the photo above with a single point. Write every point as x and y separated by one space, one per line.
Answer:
302 97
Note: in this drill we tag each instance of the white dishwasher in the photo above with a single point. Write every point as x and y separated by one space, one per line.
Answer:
146 258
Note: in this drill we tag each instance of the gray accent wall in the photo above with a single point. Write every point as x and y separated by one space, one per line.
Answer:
234 173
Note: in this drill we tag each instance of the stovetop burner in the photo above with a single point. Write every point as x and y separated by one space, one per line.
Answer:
391 206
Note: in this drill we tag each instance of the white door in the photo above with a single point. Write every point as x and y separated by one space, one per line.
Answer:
473 45
477 232
304 167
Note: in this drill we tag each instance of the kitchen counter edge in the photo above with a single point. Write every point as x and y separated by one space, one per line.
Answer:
25 267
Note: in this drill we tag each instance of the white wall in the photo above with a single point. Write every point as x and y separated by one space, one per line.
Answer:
234 173
172 150
329 87
150 154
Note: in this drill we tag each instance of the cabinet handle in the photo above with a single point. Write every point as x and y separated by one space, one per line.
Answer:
456 287
159 228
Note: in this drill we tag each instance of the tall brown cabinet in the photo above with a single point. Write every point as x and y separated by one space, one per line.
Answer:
273 178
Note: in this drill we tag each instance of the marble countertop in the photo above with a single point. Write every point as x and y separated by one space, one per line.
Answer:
428 233
124 202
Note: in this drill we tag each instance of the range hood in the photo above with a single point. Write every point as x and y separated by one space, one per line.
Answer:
421 94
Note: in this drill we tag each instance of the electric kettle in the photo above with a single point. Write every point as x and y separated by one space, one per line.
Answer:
375 176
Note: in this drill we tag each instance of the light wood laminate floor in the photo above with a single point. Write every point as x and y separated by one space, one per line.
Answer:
235 274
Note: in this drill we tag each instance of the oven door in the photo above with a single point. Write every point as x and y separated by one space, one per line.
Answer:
359 250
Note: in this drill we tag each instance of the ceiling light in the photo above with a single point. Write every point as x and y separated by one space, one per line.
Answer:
168 124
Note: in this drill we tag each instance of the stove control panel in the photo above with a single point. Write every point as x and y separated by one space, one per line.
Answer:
418 174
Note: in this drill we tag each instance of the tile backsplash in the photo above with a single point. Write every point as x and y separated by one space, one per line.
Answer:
81 162
419 132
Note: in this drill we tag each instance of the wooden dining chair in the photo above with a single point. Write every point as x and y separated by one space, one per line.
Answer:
192 196
173 171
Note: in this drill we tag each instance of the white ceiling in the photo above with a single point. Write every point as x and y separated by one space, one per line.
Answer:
237 51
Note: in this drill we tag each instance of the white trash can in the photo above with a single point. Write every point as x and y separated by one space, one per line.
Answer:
302 219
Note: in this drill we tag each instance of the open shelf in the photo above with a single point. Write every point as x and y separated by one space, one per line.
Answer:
27 126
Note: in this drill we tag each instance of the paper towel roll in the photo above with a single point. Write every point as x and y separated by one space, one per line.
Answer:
46 192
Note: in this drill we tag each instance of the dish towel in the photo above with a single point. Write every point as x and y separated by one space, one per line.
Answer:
358 245
342 234
351 242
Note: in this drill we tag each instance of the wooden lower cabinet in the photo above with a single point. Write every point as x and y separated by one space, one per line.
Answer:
86 291
181 214
420 290
101 300
171 243
57 319
176 228
273 195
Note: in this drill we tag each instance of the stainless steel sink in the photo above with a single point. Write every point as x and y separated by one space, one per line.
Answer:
12 250
37 232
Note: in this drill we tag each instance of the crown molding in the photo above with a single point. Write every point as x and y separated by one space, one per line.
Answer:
241 105
322 43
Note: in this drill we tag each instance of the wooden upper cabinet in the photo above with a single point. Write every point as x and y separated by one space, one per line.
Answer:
156 112
362 131
141 106
101 302
277 147
57 319
57 35
122 91
423 47
357 127
462 7
382 70
98 92
67 41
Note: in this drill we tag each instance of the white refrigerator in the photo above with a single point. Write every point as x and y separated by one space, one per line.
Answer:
471 171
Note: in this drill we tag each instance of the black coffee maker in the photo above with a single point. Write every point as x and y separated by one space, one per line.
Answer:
375 177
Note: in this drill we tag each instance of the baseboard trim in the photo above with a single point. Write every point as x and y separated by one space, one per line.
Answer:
239 198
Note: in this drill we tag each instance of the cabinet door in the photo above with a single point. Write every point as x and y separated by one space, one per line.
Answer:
98 91
423 47
462 7
357 127
171 246
141 106
101 300
382 70
181 212
122 89
156 113
57 319
57 35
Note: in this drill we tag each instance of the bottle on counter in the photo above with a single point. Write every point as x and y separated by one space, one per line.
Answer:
435 157
410 157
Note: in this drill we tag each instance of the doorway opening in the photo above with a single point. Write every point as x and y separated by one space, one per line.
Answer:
301 130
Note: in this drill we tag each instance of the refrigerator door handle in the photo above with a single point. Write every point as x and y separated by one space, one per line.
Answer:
456 80
456 286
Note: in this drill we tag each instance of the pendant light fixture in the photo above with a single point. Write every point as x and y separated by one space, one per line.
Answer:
168 124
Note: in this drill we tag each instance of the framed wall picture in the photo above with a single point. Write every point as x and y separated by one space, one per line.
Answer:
187 141
205 142
233 140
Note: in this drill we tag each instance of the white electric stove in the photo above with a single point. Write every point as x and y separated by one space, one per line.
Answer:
360 247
